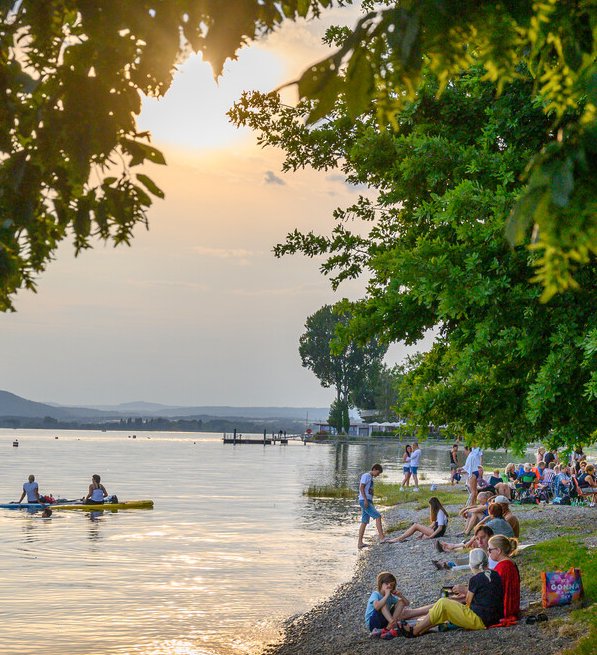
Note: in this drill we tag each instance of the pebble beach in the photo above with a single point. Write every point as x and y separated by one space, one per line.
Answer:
336 626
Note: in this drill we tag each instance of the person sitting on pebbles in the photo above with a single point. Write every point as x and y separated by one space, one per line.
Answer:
475 513
483 604
437 528
385 605
496 521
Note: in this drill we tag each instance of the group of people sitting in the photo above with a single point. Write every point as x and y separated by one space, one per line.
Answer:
491 597
544 481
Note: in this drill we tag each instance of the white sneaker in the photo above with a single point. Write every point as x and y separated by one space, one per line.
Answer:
415 488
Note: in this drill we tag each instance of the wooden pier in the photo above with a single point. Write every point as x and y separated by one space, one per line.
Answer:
236 438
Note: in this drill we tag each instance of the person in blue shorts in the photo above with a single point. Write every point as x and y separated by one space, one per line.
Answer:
414 464
367 506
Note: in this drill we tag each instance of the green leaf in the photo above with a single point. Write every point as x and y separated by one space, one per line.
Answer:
150 185
562 183
359 84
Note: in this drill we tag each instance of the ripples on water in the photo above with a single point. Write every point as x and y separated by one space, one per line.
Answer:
231 548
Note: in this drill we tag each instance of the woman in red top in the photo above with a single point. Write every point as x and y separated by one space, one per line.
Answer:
500 549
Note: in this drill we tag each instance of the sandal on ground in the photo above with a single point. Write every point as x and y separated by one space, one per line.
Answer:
536 618
439 547
440 566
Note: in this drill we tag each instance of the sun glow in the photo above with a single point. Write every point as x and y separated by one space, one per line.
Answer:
192 114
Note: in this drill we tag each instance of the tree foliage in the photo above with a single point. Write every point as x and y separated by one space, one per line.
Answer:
72 73
342 367
380 63
505 367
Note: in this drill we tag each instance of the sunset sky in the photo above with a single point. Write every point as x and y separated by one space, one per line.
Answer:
197 311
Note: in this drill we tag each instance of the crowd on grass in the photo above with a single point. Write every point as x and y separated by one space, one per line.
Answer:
489 541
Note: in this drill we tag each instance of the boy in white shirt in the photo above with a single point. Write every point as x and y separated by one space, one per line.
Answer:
367 506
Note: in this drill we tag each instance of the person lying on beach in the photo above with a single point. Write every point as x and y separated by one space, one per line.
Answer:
500 550
480 540
483 606
385 605
437 528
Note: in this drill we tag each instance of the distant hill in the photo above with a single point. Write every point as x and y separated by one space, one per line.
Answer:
141 408
12 405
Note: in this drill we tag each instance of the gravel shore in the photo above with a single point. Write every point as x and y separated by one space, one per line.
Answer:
336 626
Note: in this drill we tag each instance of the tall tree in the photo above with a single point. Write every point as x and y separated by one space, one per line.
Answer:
72 73
342 367
505 367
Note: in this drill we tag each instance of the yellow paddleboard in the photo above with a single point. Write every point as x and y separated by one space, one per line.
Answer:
127 504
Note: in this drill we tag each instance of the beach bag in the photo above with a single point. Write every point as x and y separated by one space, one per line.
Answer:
561 587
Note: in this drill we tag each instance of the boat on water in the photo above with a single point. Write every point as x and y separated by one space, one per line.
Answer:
70 505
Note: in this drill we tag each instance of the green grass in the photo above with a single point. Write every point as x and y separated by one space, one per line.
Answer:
557 555
393 494
327 491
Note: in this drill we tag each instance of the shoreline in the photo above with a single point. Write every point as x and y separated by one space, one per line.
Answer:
336 626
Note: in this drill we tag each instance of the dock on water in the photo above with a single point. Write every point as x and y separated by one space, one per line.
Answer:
236 438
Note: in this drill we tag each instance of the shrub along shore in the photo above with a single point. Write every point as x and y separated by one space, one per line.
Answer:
563 536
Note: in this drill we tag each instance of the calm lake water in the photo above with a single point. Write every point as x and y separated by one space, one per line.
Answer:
231 548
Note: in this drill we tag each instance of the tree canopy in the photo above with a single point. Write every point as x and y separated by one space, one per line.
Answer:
341 367
505 368
72 73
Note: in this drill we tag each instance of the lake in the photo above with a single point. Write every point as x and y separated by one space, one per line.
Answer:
230 550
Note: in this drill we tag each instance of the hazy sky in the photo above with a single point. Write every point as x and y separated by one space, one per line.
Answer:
197 311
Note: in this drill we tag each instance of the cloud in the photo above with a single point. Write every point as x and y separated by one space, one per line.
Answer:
272 178
239 255
341 179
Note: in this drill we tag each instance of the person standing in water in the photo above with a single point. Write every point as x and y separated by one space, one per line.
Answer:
97 491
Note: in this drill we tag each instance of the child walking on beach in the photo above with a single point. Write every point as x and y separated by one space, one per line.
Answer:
366 503
385 605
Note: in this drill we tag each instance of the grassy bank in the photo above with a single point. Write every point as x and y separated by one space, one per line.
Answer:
560 554
393 494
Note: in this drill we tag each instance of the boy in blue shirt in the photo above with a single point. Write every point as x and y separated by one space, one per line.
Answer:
367 506
384 605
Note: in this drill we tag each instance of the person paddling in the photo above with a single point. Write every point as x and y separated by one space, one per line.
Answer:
97 492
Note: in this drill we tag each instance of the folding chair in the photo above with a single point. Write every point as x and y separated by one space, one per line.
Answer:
525 485
584 492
